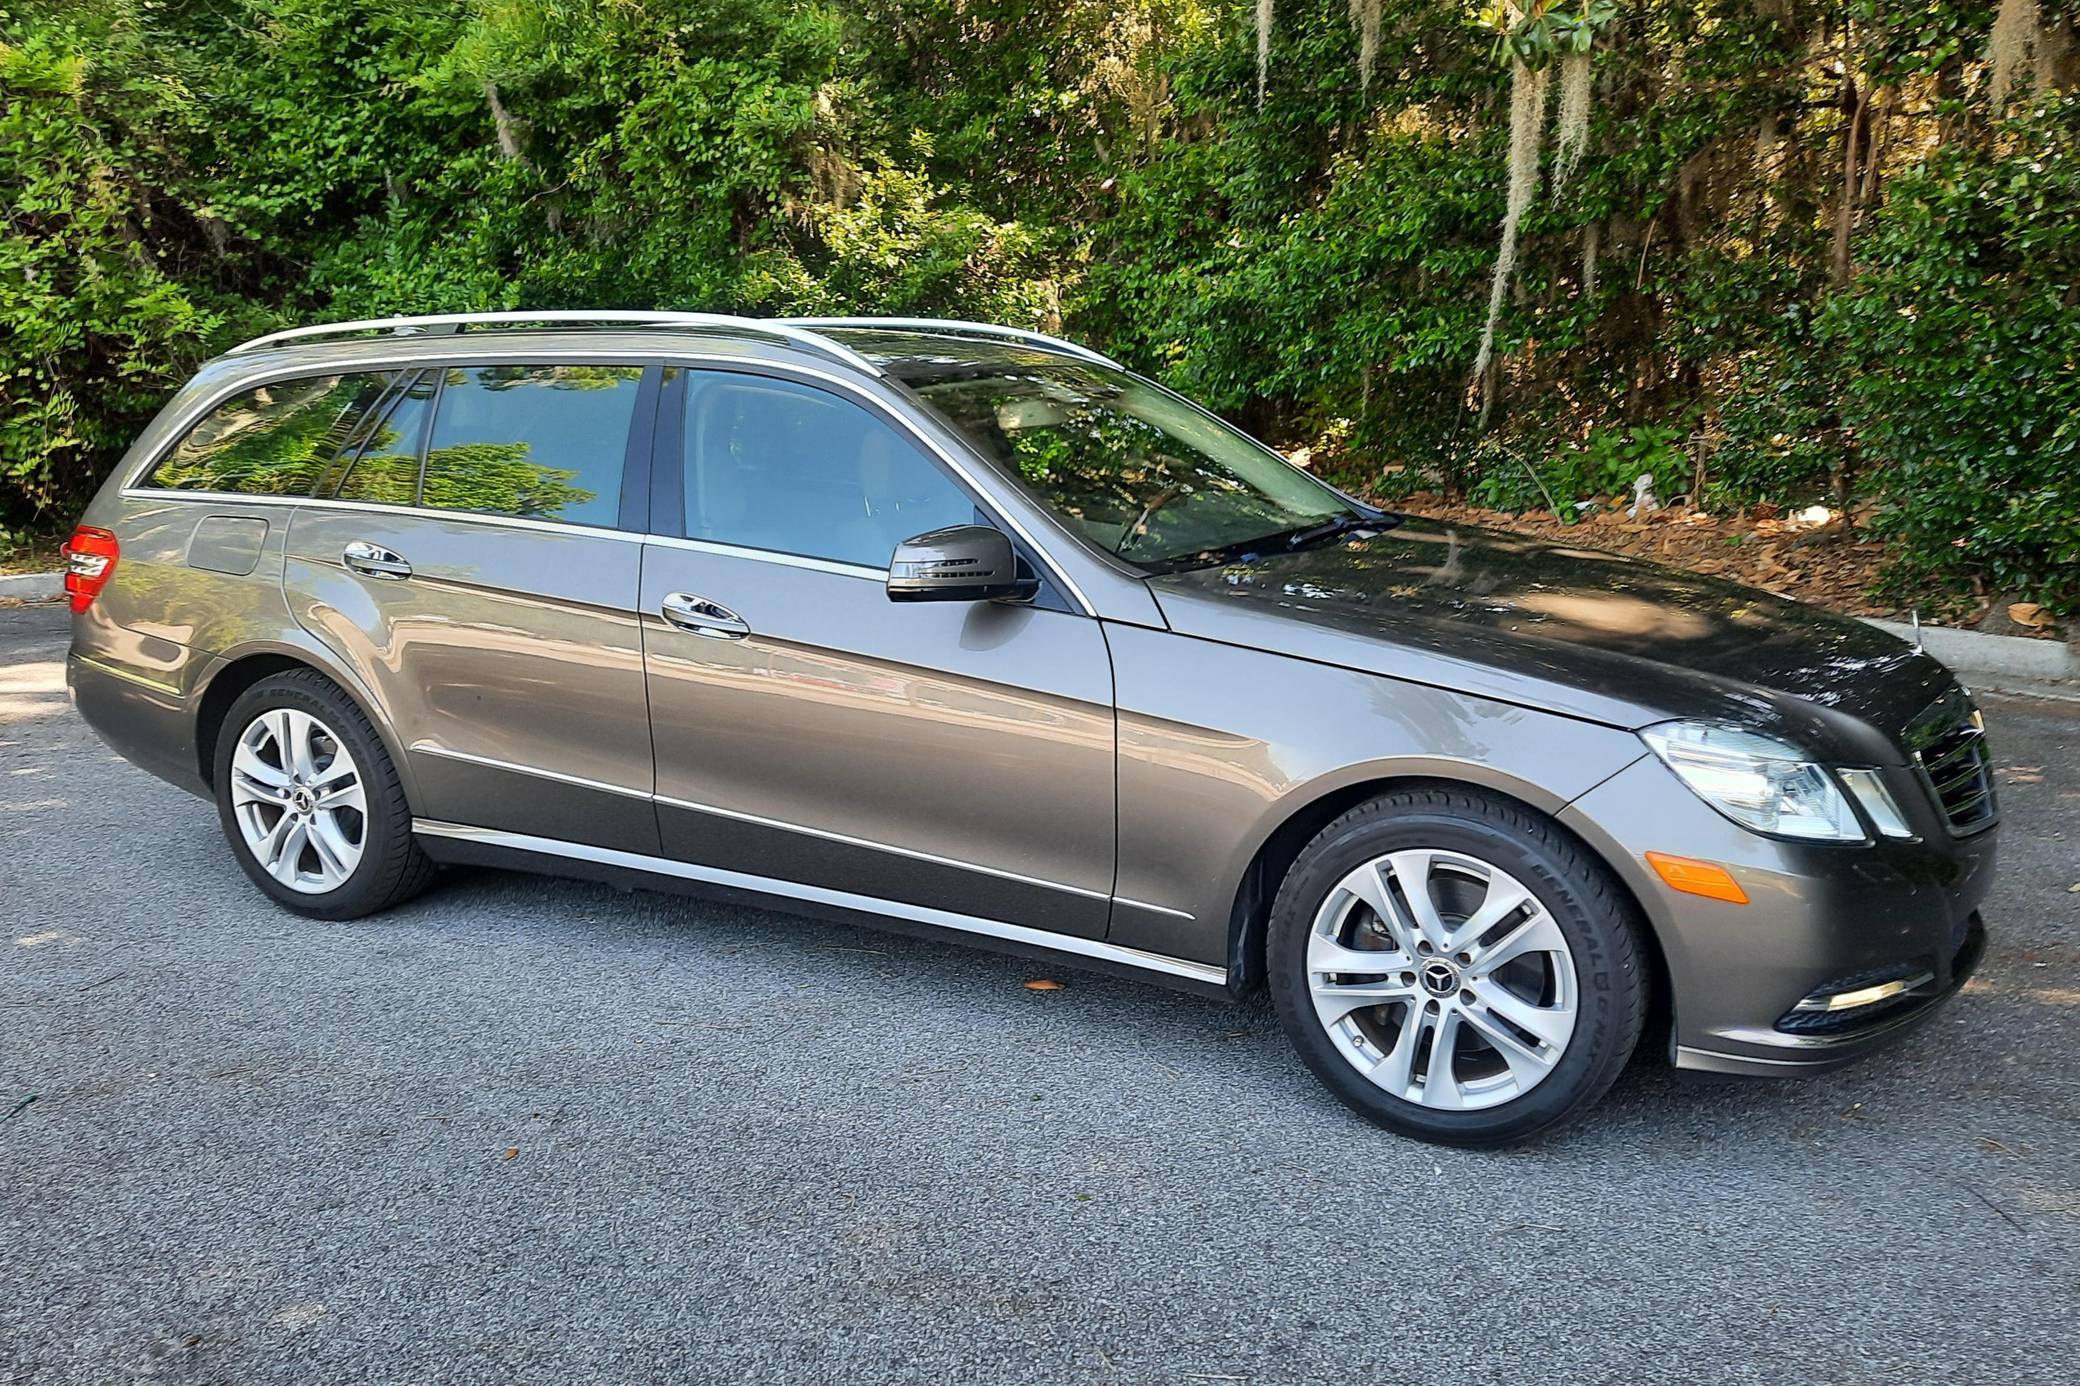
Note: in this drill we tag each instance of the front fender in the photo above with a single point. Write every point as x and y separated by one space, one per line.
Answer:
1221 746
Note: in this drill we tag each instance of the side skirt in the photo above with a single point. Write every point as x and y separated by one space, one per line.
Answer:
458 843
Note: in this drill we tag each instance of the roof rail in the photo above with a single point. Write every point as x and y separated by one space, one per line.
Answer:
793 333
956 328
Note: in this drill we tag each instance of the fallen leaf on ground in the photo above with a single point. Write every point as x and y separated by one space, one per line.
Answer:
1043 984
2030 614
510 1153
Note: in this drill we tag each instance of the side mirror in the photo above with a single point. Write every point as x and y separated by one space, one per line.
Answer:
963 563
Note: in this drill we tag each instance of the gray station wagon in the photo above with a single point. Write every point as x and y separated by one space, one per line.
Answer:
970 630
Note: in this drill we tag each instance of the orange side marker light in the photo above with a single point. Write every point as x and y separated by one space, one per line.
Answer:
1697 878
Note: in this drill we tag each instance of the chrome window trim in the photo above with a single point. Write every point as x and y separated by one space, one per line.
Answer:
434 748
786 560
504 350
423 512
840 899
889 847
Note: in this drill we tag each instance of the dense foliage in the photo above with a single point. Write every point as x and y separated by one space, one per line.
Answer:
1811 250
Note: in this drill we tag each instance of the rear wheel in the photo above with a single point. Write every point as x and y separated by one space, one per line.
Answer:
1455 967
311 803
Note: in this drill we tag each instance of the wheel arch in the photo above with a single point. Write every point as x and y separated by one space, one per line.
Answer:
236 671
1250 913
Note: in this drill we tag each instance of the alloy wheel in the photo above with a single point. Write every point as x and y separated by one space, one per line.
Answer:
299 800
1442 980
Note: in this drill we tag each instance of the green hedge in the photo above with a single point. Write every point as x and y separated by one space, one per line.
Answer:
178 174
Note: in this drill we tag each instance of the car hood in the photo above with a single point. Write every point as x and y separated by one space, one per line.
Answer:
1577 631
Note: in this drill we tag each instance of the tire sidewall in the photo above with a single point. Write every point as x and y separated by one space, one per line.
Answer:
385 831
1608 986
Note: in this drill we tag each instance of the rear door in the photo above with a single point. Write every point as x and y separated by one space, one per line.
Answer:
947 756
477 562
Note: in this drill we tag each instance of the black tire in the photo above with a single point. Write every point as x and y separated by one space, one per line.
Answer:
392 868
1596 917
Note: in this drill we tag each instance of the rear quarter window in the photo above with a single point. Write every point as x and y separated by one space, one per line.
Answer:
537 442
274 439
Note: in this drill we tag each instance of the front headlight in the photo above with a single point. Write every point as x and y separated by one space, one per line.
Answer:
1757 781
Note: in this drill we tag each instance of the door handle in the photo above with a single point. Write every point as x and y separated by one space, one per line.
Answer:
374 560
704 617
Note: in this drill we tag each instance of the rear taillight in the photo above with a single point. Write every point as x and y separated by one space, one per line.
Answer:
90 561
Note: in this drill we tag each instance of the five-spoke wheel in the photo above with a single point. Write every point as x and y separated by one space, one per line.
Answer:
1456 966
311 802
1441 978
299 800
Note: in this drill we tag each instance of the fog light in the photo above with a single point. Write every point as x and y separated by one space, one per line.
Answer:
1864 996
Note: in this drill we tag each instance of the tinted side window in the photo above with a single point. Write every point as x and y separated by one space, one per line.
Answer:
775 465
387 470
274 440
539 442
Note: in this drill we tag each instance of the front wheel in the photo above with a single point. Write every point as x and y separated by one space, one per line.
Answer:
311 803
1456 967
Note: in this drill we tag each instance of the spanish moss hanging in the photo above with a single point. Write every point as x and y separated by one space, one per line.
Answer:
1534 37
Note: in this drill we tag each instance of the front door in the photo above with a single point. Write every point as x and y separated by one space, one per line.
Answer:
952 756
472 564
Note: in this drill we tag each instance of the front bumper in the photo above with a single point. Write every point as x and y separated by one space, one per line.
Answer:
1813 1053
1820 918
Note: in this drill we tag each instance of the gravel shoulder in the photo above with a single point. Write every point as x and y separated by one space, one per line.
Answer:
542 1131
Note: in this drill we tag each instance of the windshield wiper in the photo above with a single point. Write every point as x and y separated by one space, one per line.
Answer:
1211 558
1328 529
1285 541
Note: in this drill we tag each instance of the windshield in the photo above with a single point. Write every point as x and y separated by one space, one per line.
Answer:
1139 472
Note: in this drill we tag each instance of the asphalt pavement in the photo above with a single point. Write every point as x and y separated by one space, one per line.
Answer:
537 1131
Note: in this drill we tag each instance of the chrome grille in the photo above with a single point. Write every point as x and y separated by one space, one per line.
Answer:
1948 743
